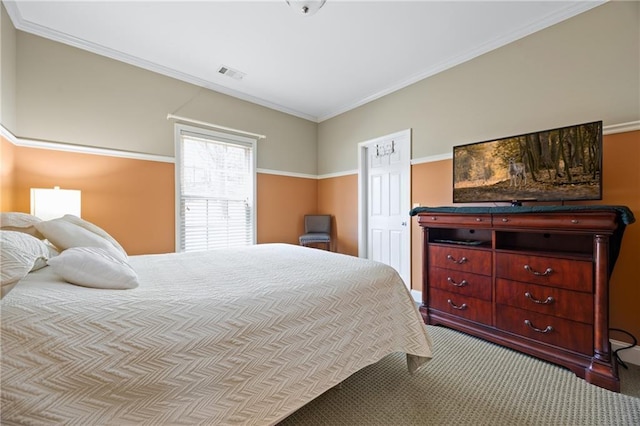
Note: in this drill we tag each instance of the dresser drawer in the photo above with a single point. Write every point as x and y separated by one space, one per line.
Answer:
436 219
566 273
561 221
567 304
460 259
571 335
463 306
463 283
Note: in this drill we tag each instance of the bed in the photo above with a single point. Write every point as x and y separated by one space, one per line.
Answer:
239 336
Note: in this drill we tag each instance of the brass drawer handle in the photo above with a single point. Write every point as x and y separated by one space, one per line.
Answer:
459 262
434 218
504 219
478 219
575 221
460 284
537 330
454 306
548 271
547 301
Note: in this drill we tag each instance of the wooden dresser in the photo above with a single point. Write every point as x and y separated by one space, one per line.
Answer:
534 281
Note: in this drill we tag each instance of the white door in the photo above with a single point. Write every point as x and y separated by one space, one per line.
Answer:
388 174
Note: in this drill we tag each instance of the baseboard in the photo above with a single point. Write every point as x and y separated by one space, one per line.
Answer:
630 356
417 296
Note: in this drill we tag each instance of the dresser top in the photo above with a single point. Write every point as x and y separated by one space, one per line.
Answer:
623 212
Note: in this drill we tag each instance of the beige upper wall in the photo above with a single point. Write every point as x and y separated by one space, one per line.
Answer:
584 69
65 94
7 70
580 70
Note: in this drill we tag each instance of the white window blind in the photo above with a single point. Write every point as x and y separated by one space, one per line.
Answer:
216 190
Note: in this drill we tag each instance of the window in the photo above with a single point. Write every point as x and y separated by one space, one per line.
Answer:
215 186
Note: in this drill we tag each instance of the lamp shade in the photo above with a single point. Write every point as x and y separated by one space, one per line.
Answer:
51 203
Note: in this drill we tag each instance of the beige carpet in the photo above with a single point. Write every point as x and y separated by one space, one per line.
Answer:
472 382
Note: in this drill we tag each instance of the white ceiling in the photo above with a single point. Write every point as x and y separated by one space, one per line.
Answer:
314 67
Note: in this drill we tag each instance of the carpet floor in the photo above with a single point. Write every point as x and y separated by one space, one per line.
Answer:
472 382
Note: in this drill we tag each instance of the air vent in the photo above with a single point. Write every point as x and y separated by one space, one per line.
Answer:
230 72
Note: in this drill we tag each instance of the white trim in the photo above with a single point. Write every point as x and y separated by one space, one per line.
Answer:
631 355
363 192
179 130
621 128
338 174
606 130
362 208
431 159
81 149
289 174
214 126
417 296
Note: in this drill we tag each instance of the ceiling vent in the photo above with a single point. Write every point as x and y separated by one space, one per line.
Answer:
230 72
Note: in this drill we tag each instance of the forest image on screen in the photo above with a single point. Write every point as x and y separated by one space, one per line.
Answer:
553 165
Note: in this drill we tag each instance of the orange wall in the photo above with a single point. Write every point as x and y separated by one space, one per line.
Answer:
134 200
339 197
621 186
429 187
6 175
282 203
621 178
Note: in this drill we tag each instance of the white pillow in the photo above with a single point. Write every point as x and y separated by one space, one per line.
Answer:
94 267
65 235
95 229
20 222
20 254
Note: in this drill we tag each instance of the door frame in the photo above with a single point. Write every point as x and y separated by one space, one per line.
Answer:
363 194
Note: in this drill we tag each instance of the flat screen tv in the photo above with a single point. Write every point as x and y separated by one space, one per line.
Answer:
563 164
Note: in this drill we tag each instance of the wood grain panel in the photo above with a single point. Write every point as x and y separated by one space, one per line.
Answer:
572 335
551 301
463 306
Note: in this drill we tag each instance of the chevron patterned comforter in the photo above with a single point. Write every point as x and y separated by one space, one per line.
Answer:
239 336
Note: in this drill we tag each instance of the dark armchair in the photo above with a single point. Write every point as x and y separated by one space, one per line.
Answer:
317 229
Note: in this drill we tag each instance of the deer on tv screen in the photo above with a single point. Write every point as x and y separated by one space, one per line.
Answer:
553 165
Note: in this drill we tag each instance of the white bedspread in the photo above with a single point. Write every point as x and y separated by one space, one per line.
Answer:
241 336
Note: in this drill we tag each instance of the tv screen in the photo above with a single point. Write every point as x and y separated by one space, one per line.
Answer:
563 164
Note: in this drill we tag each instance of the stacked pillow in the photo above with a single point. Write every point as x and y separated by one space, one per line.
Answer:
20 254
20 222
89 256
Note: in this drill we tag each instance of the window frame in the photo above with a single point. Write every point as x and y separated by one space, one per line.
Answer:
230 138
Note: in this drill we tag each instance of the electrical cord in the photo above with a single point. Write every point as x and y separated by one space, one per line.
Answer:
615 353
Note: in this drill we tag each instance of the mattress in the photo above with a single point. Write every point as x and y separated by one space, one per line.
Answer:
238 336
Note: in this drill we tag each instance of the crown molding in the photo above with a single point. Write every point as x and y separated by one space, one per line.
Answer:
571 10
29 27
